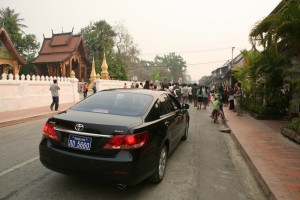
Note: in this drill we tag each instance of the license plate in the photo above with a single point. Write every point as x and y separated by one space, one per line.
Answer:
79 142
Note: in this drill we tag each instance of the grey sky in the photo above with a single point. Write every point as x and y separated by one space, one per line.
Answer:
202 32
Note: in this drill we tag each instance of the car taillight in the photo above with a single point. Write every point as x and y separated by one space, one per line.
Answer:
50 132
131 141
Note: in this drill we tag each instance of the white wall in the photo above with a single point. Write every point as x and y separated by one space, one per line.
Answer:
109 84
33 91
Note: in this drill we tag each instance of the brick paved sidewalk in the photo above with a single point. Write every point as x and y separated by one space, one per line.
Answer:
20 116
274 159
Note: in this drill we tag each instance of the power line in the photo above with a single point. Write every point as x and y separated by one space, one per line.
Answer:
187 52
208 62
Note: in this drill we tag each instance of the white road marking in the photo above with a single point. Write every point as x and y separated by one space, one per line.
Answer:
18 166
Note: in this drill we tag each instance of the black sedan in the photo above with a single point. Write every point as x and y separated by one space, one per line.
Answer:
119 135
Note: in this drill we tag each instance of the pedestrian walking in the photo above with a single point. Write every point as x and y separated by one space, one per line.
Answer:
199 98
151 86
220 94
237 99
94 88
190 93
55 95
231 98
185 94
194 94
205 96
141 86
177 92
85 90
147 85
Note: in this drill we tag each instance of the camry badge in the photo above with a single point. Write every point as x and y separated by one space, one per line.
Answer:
79 127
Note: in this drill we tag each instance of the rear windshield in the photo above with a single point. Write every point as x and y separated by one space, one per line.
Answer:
116 103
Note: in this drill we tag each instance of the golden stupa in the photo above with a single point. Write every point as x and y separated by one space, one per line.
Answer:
104 73
92 76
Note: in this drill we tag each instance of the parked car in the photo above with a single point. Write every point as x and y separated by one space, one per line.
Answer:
119 135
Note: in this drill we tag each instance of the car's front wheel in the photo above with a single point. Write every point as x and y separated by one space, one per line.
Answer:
161 166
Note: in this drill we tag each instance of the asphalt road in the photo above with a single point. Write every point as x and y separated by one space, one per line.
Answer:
206 166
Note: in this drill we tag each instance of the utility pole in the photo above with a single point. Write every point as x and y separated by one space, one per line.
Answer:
232 56
231 65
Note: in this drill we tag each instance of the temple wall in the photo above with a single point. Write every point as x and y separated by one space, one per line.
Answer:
24 92
110 84
33 91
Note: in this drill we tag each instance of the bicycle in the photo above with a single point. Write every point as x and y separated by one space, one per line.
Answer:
215 115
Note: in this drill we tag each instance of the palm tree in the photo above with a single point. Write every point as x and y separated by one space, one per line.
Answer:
8 17
133 52
278 34
282 26
245 74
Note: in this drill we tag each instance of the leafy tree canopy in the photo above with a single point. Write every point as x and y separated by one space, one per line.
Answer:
26 44
173 63
282 26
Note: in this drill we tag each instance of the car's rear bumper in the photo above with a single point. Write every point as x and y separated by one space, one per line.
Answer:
120 169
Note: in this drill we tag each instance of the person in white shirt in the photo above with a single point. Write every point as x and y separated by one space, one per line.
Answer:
190 93
185 94
55 95
141 85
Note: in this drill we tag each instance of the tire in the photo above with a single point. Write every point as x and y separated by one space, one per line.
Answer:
215 117
186 132
159 173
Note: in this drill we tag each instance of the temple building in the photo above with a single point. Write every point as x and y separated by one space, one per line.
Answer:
10 59
61 54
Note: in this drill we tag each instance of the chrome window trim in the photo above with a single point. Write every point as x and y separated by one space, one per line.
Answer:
83 133
168 115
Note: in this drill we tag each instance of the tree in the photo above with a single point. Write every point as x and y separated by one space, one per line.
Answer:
173 63
278 34
126 49
26 45
246 74
100 37
11 20
205 80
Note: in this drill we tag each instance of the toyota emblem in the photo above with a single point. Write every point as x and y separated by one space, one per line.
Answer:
79 127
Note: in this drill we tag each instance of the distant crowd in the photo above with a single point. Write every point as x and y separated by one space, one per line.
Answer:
200 96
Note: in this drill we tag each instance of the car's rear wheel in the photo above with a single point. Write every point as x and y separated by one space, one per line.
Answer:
186 132
161 166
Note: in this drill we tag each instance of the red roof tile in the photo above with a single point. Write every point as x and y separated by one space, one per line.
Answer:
60 40
60 47
48 58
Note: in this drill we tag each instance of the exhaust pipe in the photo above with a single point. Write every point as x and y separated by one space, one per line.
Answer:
121 186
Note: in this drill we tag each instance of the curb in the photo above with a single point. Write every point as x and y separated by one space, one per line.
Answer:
23 120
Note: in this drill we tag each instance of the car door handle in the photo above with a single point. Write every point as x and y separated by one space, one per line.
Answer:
167 123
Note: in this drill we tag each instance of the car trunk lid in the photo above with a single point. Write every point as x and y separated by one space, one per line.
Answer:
88 132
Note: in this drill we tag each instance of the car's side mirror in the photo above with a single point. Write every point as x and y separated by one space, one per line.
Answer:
185 106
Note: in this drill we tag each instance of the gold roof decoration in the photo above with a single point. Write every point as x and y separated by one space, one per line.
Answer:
104 68
93 75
